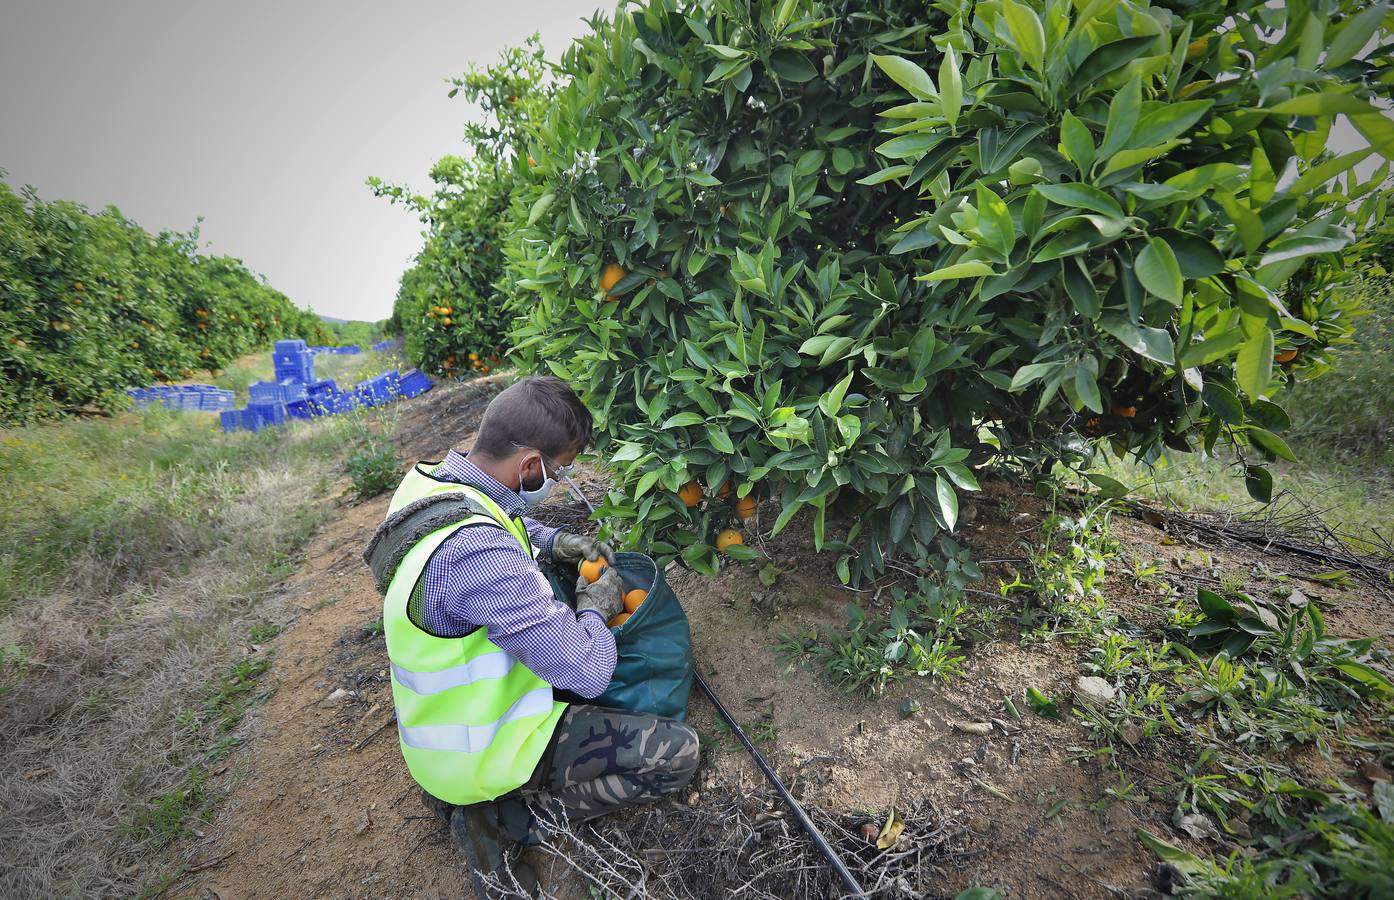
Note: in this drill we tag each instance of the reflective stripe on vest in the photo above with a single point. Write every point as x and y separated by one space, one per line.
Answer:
472 721
474 738
490 665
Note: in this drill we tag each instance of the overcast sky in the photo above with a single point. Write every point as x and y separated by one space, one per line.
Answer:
263 117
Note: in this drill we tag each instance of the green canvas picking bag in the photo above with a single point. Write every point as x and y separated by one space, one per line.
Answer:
653 669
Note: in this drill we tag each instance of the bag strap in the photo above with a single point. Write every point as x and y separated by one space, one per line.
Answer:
402 530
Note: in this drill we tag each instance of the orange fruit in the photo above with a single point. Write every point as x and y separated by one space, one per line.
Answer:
484 369
724 491
1285 356
634 598
745 507
612 275
445 321
727 537
445 310
474 357
591 569
691 494
531 161
619 620
1125 412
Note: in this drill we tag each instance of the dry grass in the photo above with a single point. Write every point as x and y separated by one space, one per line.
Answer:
127 667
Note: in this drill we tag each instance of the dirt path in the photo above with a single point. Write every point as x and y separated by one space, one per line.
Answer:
324 806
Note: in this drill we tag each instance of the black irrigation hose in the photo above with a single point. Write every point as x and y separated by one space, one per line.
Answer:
805 822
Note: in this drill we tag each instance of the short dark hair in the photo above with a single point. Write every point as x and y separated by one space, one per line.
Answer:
540 411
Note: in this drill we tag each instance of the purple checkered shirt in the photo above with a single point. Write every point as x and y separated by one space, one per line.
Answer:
481 576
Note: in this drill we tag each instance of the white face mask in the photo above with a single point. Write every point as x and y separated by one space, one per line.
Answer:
540 493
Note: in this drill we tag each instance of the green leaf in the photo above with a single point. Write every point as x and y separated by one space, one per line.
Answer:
1088 389
1223 403
1126 159
1105 59
1367 676
1353 36
1378 130
1170 121
994 221
720 439
682 419
785 515
972 269
1325 103
1026 32
907 75
1271 443
950 87
1254 366
978 893
540 207
1196 256
1211 349
1304 245
1185 862
1258 481
1081 288
1123 113
1157 269
1109 488
948 501
1041 704
792 66
886 175
1076 142
726 52
1081 196
909 145
1153 343
836 350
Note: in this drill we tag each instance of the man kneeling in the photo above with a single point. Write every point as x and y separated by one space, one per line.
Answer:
487 665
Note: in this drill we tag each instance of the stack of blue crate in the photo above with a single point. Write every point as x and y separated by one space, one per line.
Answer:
383 345
216 399
293 361
194 397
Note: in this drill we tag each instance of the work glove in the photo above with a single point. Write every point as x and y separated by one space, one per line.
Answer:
572 548
605 595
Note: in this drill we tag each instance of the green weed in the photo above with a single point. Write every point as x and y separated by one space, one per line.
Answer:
921 636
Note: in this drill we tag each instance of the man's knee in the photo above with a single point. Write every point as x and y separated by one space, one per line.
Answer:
683 752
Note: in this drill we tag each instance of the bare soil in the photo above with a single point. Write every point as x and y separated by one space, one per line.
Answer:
322 805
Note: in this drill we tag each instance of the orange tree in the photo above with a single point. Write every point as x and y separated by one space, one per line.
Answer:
91 304
453 301
840 255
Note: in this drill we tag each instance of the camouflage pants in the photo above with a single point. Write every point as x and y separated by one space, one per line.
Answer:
600 760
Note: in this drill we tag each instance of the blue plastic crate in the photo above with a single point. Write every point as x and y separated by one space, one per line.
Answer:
414 383
341 402
290 346
216 399
321 388
292 390
268 413
266 392
299 409
239 420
